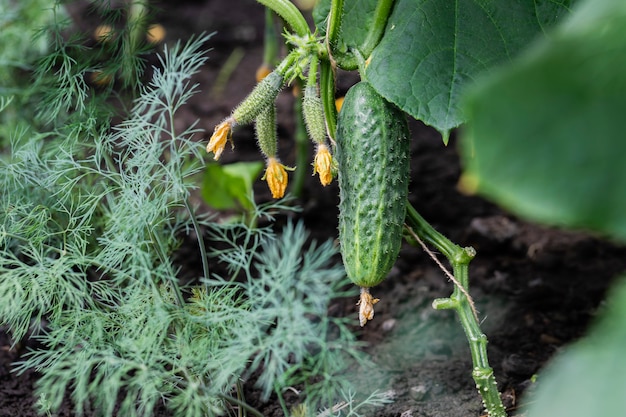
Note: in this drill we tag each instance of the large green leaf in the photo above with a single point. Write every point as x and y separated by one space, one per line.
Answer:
546 136
589 378
433 49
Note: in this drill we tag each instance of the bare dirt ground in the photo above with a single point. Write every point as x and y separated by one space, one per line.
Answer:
536 288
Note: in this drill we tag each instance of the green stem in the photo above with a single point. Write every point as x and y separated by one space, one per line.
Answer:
137 22
334 23
241 404
226 71
425 231
302 149
460 301
270 40
377 28
162 255
290 14
327 94
285 67
312 76
202 247
136 27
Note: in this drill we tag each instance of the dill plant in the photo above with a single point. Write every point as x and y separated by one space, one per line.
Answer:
91 216
19 50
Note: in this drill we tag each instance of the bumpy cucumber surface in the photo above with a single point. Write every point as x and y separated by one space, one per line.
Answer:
373 161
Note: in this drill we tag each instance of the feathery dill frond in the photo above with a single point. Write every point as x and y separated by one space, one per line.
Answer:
289 338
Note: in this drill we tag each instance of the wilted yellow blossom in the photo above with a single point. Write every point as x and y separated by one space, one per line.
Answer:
276 177
221 134
366 306
322 164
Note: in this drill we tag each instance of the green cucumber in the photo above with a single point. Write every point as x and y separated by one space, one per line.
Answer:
373 162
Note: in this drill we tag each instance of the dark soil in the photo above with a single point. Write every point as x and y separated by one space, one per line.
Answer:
536 288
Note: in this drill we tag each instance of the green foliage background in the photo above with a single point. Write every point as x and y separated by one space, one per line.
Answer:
545 139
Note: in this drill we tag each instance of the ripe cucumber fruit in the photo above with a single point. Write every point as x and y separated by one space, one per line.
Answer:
373 162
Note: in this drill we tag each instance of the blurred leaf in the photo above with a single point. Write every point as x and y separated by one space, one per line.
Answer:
546 135
432 50
589 378
229 187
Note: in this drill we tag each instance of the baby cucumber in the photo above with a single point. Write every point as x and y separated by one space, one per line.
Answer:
373 163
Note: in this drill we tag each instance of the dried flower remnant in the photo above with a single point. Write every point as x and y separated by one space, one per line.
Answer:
221 134
366 306
322 164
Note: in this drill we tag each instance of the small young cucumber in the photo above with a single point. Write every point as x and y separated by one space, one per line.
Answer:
373 161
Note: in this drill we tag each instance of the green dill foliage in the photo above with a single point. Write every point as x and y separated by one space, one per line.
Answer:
21 45
91 216
18 23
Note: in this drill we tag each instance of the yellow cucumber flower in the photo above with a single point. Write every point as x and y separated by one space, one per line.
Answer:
221 134
276 177
322 164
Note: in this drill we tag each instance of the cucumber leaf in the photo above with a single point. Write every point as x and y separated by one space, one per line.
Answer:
546 136
320 14
229 187
589 377
432 50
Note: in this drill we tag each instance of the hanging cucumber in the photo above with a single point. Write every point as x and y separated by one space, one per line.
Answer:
373 164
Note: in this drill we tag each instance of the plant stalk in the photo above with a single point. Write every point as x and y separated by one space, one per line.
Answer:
334 23
302 148
270 40
136 27
377 27
462 304
290 14
327 94
198 231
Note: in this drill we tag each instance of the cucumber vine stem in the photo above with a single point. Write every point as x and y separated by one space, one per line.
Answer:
302 147
419 229
334 23
327 94
290 14
270 40
377 27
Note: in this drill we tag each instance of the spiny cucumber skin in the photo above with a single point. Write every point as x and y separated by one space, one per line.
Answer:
373 159
262 96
